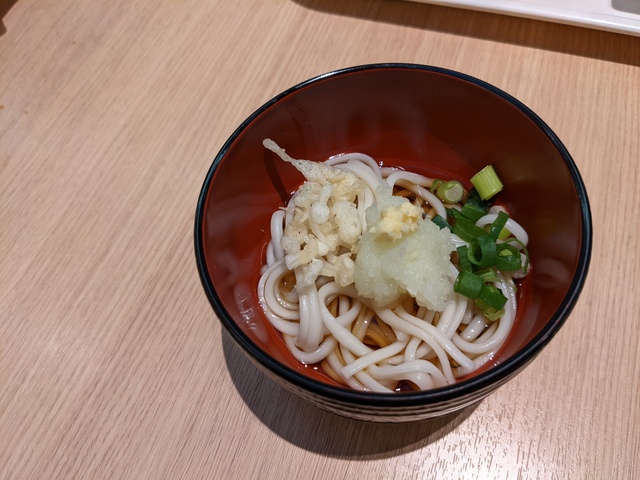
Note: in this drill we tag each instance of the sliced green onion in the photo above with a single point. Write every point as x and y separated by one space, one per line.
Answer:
508 258
455 214
488 275
473 211
490 296
482 251
498 224
468 284
441 222
504 233
463 259
474 197
525 267
434 185
493 314
451 191
486 182
466 230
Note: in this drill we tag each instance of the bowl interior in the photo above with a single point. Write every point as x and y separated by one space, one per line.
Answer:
423 119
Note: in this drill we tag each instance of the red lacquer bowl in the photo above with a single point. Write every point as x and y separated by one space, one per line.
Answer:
425 119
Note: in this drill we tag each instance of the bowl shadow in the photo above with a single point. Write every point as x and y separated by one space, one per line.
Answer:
313 429
556 37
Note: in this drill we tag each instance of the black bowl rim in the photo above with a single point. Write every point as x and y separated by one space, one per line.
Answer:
476 383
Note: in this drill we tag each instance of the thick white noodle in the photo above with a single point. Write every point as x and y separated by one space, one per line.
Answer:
430 335
365 200
414 178
490 342
411 350
271 257
431 349
277 231
336 365
364 172
514 227
372 358
474 328
452 316
265 297
342 334
426 195
468 316
363 377
360 157
422 380
397 372
488 333
310 334
310 357
272 296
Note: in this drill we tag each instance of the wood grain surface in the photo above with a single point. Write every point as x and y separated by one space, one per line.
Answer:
112 363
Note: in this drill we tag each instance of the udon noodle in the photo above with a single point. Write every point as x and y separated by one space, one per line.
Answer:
356 341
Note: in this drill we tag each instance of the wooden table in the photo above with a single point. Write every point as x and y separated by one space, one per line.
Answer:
112 364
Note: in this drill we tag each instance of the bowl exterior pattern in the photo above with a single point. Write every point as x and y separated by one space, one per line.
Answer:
391 413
